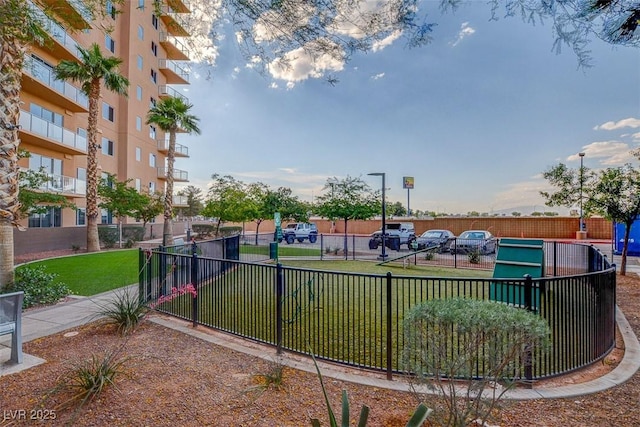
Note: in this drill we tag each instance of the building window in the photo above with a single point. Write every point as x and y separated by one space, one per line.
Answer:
45 164
106 217
108 146
152 102
152 187
138 123
51 217
111 9
154 48
81 216
152 132
154 76
138 185
138 154
152 160
141 4
47 115
140 32
108 112
140 62
154 21
110 43
139 93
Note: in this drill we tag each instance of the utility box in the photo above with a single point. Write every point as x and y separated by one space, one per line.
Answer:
634 238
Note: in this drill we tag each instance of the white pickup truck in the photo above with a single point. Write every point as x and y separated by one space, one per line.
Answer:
397 234
300 231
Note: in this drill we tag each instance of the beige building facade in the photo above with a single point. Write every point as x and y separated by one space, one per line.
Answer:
148 37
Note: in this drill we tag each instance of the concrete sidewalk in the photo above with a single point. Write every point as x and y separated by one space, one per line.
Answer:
78 311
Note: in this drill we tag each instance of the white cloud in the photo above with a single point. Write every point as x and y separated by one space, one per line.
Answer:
465 31
377 76
381 44
311 61
635 137
609 153
628 122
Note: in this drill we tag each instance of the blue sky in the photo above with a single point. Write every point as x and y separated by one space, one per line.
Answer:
475 116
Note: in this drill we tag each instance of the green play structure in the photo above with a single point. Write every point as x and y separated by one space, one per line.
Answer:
515 258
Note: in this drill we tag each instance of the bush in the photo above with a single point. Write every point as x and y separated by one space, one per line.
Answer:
204 230
482 344
125 311
108 236
39 286
474 257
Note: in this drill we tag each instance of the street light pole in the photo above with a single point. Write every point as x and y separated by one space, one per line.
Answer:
581 183
383 255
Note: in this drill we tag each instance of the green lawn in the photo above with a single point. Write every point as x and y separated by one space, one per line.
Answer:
91 274
368 267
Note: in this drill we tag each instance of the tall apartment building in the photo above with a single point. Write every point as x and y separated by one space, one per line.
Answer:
147 36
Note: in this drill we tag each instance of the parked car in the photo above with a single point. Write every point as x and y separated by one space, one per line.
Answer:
300 231
397 234
480 241
440 239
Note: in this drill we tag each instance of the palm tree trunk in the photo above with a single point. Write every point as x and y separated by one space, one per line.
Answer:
12 53
93 241
167 233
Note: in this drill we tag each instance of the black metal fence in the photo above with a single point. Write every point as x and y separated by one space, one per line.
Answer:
357 319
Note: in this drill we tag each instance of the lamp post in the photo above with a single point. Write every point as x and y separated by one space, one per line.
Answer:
383 255
581 183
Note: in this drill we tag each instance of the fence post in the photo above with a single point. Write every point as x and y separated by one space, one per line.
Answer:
555 258
528 352
279 294
389 330
195 283
321 246
142 268
163 270
353 247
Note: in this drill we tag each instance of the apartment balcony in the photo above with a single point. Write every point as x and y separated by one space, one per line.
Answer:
165 91
38 79
75 12
180 6
64 185
173 72
180 201
39 132
178 175
175 24
174 48
181 150
61 45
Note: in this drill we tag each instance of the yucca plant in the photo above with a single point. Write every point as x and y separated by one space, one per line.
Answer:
417 419
126 311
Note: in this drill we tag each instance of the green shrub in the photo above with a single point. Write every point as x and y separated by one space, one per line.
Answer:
134 233
447 339
204 230
125 311
108 236
39 286
231 230
474 257
89 378
429 255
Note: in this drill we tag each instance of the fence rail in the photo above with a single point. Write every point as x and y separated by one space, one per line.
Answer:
357 319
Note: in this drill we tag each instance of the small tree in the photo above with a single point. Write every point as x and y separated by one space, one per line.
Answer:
33 199
349 198
227 200
447 341
122 200
612 193
152 207
194 201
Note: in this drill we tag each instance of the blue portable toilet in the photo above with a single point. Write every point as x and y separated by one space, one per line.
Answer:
634 238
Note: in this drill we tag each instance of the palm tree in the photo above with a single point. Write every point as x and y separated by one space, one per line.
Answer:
18 28
171 115
90 73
